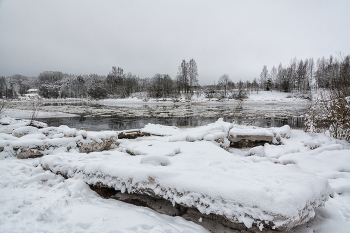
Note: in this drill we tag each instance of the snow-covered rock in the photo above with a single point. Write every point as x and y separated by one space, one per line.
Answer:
209 179
216 132
25 141
249 136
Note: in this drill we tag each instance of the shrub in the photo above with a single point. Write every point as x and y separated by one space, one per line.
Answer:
329 112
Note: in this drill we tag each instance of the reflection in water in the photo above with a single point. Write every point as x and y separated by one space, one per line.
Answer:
122 123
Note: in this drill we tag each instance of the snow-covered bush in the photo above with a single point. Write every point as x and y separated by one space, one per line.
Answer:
97 91
329 112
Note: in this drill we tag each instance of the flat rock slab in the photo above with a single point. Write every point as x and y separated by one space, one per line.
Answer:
246 137
208 179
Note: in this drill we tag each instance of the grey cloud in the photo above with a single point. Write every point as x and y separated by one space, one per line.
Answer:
148 37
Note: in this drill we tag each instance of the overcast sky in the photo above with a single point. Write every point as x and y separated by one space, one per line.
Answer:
148 37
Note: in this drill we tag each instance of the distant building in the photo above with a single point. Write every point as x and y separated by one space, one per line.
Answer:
32 94
32 91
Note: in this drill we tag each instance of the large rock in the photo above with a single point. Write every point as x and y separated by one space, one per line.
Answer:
249 137
23 152
94 146
30 142
210 182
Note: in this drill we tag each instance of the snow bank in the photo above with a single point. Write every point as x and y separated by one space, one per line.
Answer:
250 132
147 147
29 142
209 179
222 133
8 124
274 97
161 130
35 200
216 132
282 132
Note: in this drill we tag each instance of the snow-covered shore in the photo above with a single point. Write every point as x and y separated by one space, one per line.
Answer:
279 179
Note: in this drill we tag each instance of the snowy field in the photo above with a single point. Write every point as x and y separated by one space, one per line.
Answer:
253 98
288 179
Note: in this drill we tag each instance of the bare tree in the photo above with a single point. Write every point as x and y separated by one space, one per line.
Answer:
193 74
224 81
182 77
273 76
280 75
160 86
263 77
310 71
114 81
255 85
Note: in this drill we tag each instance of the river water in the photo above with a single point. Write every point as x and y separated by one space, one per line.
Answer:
122 123
97 117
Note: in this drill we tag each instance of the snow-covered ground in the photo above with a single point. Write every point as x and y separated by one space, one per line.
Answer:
261 96
253 97
274 96
271 178
34 200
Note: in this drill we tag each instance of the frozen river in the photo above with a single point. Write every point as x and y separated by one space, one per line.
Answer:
122 116
122 123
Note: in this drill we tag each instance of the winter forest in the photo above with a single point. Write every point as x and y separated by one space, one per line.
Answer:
299 77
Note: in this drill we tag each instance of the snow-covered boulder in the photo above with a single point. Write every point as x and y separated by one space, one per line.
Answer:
216 132
6 120
281 132
19 132
25 141
249 136
207 179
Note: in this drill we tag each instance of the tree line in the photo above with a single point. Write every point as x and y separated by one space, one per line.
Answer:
117 84
300 76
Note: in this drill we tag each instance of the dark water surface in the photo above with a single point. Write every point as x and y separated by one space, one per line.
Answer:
122 123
